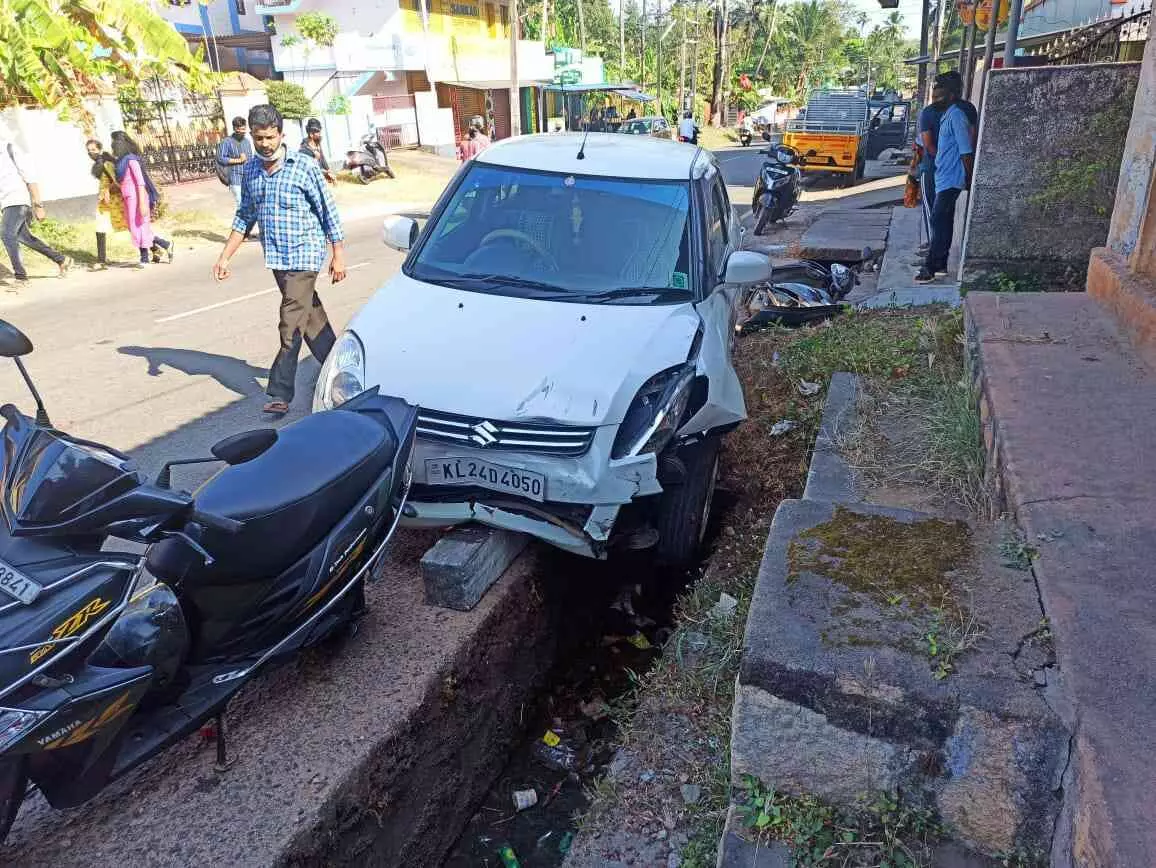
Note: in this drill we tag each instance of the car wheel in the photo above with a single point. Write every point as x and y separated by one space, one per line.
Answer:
684 509
13 783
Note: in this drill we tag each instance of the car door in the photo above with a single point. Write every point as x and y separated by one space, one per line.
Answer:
718 310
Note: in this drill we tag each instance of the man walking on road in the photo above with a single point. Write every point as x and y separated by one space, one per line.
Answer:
20 202
284 191
311 145
953 166
232 154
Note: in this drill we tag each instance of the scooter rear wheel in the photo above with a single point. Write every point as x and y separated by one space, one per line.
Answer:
13 784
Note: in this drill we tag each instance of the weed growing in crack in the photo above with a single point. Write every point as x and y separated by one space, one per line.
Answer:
1015 551
886 831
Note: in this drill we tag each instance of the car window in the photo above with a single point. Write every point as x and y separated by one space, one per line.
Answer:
568 234
899 113
718 226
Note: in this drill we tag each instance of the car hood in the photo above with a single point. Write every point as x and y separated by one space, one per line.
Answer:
507 358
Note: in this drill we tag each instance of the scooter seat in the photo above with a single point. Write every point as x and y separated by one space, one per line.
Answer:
289 497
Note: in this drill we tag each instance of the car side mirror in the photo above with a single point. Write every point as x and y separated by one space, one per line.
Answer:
399 232
244 446
747 267
13 342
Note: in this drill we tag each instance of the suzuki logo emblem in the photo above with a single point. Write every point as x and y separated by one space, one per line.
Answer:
484 434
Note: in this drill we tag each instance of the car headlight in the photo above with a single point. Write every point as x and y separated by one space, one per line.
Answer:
655 413
343 374
15 723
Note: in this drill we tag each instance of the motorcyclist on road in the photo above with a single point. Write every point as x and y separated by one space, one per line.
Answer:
687 129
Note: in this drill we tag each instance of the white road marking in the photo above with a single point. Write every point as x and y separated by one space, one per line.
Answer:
358 265
208 307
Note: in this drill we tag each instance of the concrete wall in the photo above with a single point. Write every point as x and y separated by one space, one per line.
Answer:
1138 170
1051 141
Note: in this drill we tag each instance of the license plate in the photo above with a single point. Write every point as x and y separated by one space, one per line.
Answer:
472 471
15 584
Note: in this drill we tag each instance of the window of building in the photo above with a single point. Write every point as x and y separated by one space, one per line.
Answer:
240 6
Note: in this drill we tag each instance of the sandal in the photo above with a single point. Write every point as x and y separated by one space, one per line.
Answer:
276 408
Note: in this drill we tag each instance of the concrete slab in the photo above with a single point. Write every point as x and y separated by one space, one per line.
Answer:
846 234
829 476
1069 410
902 260
374 752
466 562
839 694
736 850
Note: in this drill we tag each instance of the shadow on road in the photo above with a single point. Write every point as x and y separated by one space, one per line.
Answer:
234 374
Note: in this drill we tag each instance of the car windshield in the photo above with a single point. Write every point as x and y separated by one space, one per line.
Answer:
565 237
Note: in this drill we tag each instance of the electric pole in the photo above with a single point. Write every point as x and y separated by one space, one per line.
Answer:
515 90
682 66
658 56
642 49
545 23
582 27
622 40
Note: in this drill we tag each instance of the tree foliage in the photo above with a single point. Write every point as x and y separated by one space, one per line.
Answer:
789 48
289 99
317 27
55 53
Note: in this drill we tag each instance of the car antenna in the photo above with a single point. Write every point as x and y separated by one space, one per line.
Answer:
582 147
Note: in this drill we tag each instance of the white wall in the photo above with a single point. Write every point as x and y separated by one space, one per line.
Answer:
55 148
238 104
218 15
436 124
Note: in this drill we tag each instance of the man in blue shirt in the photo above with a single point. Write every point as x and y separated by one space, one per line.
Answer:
953 164
928 135
232 154
284 191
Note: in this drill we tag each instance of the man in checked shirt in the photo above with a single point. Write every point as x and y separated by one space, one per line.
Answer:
285 192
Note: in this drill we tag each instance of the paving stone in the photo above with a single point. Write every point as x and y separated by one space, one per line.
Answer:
736 851
466 562
830 477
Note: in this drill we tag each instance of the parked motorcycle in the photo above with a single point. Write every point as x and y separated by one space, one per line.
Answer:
108 658
745 136
778 187
371 162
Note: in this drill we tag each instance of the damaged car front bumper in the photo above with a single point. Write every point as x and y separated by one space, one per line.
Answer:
579 506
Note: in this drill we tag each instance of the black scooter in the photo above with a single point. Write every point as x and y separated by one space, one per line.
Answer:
108 658
745 136
778 187
371 161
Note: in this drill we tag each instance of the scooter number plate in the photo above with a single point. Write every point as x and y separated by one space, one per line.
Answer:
17 585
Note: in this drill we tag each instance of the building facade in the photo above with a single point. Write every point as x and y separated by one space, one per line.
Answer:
417 74
231 34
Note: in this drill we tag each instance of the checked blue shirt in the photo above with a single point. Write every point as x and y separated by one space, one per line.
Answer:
295 210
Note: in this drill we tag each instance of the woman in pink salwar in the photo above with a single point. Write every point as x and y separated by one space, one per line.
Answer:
140 199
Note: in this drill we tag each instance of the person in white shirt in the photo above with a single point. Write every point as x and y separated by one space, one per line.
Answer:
687 129
20 201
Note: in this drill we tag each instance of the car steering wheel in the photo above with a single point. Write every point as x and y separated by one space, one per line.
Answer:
518 235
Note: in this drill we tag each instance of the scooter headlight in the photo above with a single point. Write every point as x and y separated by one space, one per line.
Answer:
655 413
15 723
343 374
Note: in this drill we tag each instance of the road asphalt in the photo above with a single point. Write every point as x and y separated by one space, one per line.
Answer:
161 363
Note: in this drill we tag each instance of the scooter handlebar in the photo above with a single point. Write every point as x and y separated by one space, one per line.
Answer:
221 523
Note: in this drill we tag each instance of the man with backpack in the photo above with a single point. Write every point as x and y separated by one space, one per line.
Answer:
232 154
20 202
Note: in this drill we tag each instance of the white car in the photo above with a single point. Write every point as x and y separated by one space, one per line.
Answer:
565 323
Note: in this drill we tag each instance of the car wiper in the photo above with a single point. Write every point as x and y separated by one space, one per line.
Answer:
510 280
634 292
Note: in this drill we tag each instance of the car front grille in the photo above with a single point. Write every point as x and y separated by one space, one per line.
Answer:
479 433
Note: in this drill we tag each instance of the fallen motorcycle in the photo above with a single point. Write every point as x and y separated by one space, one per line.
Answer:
108 658
799 293
371 162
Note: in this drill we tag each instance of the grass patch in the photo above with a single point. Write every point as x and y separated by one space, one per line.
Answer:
884 833
680 716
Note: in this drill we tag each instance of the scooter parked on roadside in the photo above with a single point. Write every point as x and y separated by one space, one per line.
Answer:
371 162
108 658
778 187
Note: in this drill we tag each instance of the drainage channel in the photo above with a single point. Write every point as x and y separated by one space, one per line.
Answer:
612 619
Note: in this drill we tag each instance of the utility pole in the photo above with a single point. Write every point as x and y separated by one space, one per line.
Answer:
515 90
622 40
1013 34
682 66
989 48
658 56
924 26
642 49
694 61
545 23
582 27
968 63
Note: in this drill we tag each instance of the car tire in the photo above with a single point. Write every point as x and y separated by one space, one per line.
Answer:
13 784
684 509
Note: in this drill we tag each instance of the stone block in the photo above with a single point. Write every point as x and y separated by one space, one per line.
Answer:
1128 296
830 477
737 851
466 562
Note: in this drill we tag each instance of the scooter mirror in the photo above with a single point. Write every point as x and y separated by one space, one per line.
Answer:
244 446
13 342
399 232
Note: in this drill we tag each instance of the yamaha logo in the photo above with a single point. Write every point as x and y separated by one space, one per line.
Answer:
484 434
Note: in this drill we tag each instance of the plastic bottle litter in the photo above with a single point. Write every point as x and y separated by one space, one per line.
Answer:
551 752
509 857
725 608
783 426
525 799
808 389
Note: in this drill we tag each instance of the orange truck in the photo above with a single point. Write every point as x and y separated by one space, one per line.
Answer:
830 134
